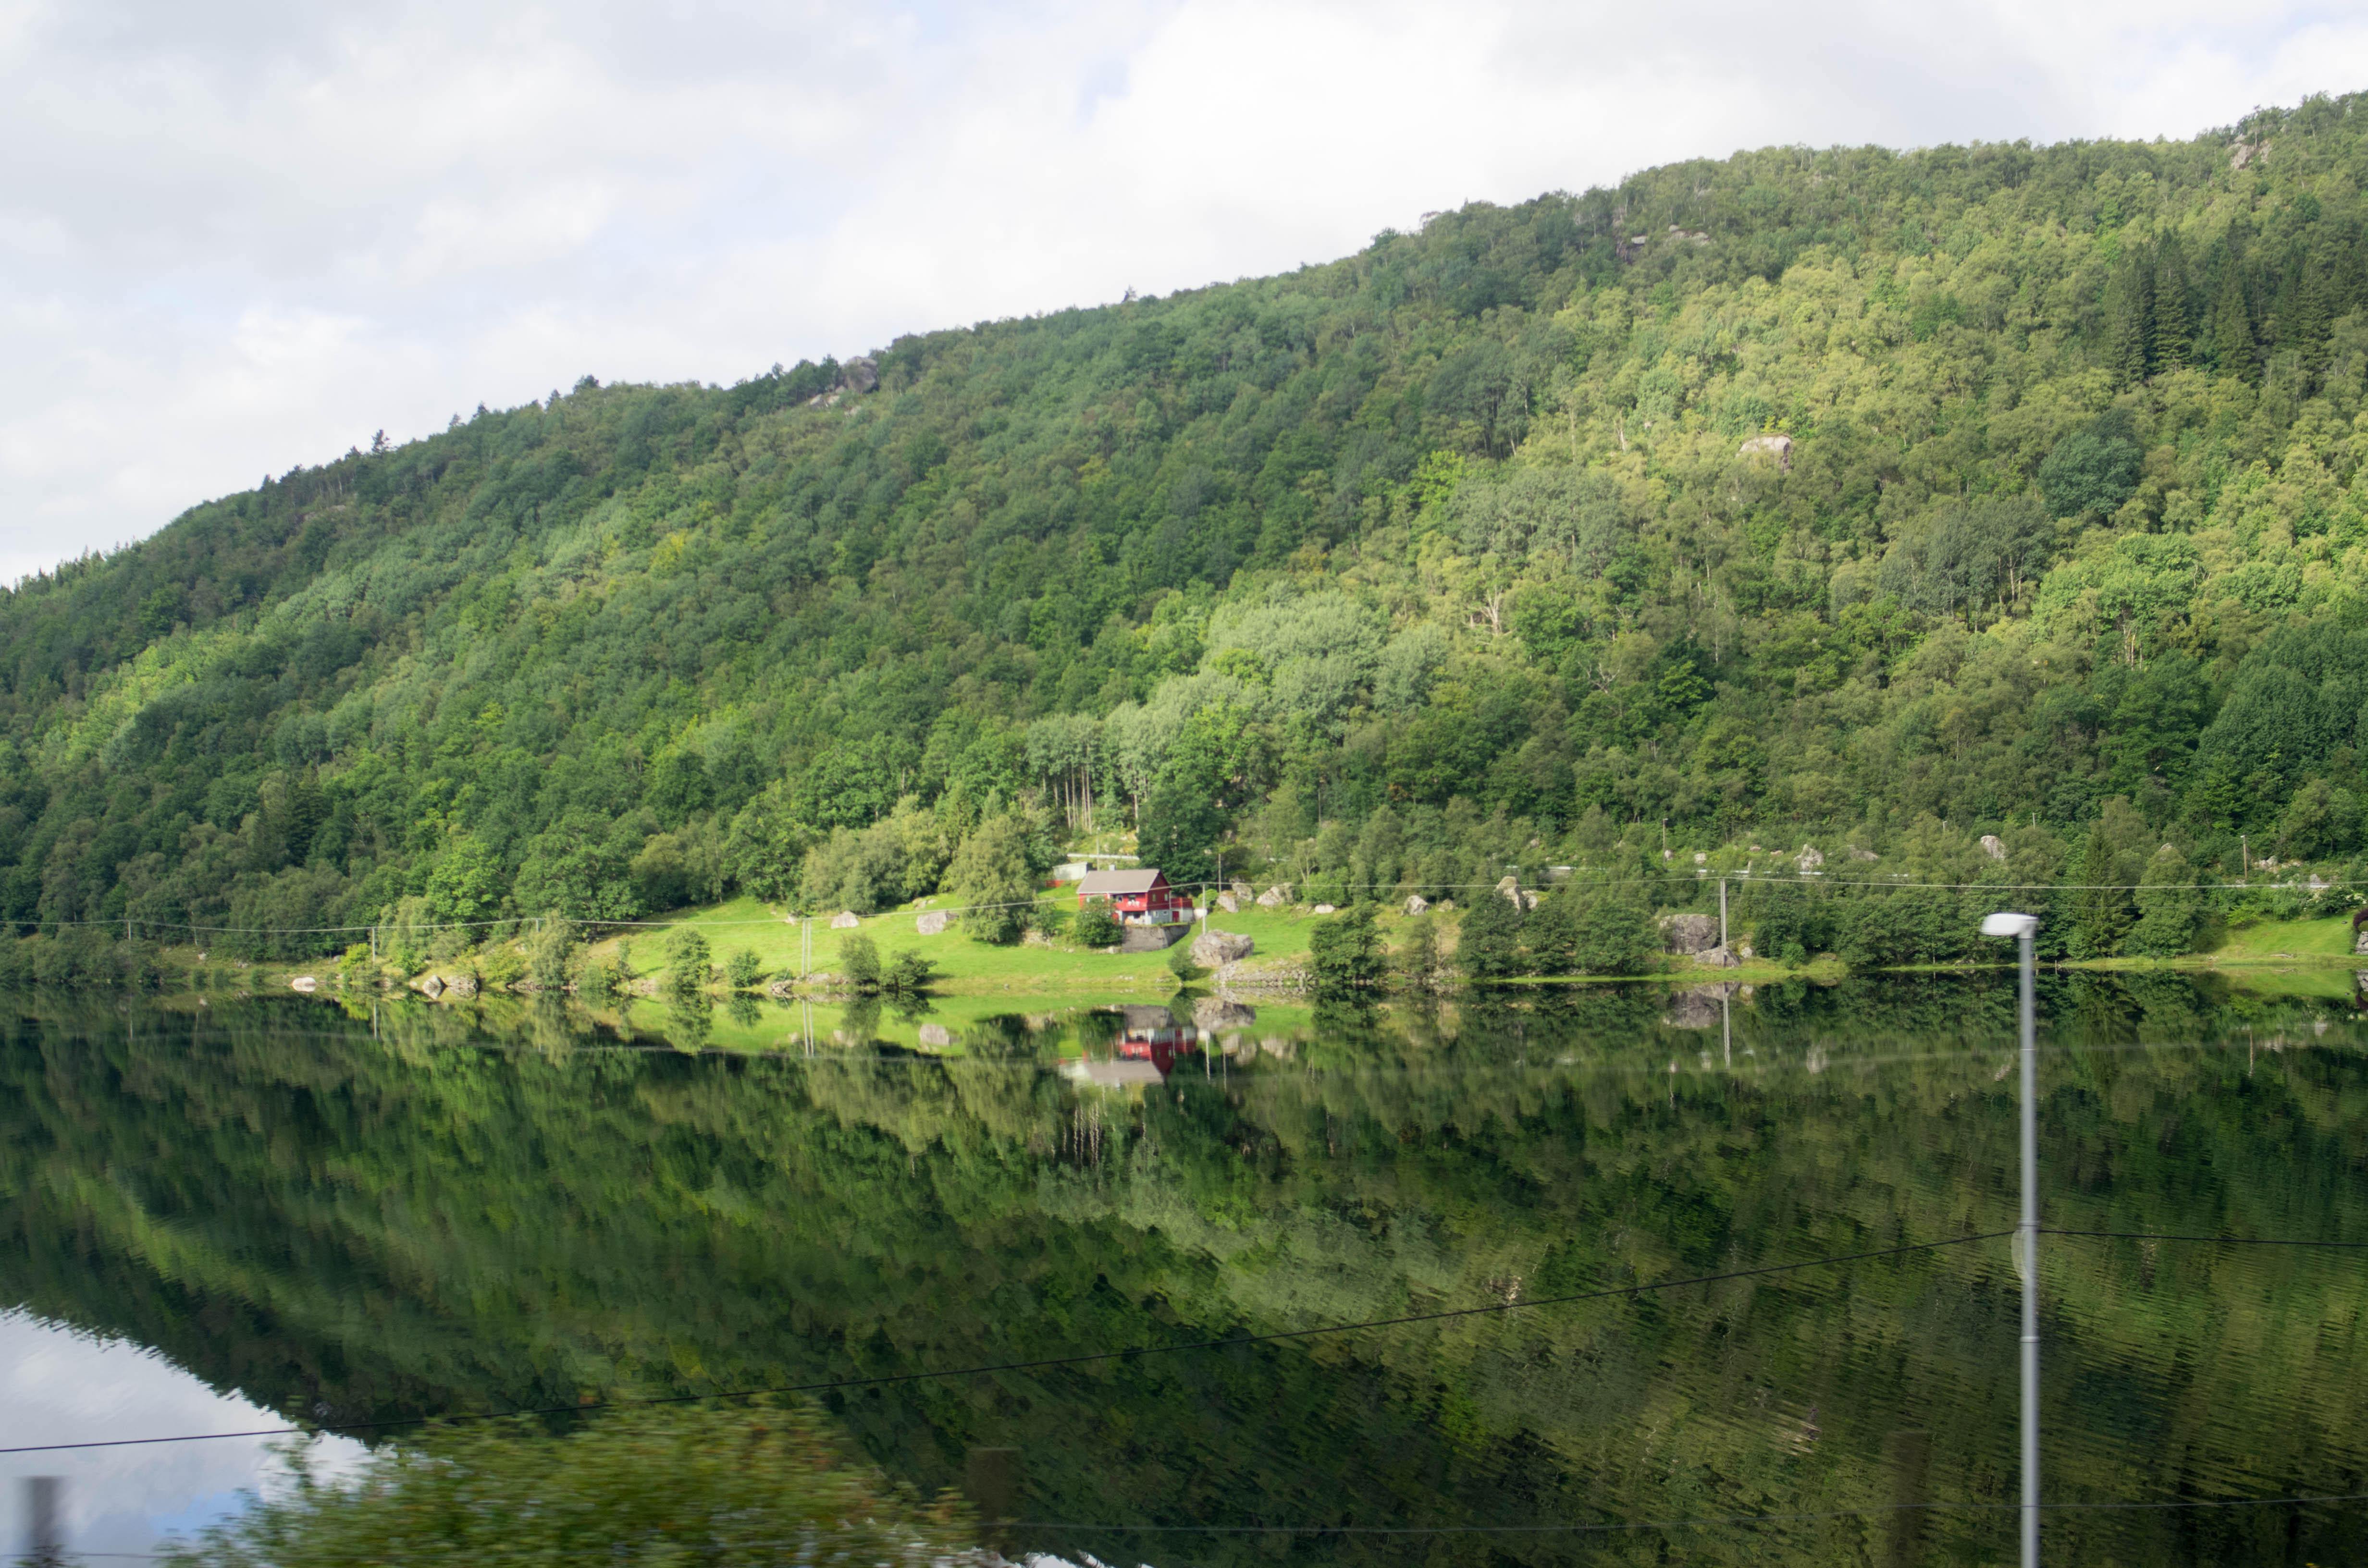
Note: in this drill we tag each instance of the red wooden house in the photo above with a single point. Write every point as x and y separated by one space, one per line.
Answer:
1138 898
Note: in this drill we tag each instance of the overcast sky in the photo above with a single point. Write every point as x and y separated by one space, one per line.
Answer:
242 235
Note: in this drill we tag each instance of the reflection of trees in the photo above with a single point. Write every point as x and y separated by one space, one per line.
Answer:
459 1212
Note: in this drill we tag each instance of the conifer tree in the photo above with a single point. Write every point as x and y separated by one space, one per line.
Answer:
2234 351
2173 323
2100 913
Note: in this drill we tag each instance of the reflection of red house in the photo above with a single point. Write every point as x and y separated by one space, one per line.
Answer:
1138 898
1153 1035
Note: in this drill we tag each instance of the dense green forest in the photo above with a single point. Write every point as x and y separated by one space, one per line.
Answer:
1869 500
426 1212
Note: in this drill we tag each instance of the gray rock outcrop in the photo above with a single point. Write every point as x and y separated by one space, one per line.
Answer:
1776 446
1808 859
860 374
933 923
1689 934
1216 1015
1275 897
846 920
1214 947
1993 847
1418 904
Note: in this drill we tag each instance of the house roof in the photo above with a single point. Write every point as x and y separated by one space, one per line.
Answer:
1142 880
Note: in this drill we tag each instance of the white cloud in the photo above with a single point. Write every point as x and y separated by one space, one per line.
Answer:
234 238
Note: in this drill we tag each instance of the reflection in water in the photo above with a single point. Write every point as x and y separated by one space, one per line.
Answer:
57 1385
434 1210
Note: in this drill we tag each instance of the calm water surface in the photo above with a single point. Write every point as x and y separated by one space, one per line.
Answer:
357 1214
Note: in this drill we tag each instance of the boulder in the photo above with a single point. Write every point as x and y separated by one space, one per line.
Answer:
304 983
1993 847
1808 859
860 374
1529 899
1858 854
1510 888
1217 1013
432 987
1229 903
1689 934
1716 958
1032 937
464 985
1444 906
1773 445
933 923
1242 891
846 920
1418 904
936 1035
1324 909
1696 1006
1275 897
1214 947
781 990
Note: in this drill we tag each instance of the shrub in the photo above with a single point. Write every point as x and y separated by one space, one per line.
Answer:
1180 964
746 1484
1417 955
858 962
1489 947
550 953
1611 934
743 968
687 958
1097 927
1345 950
908 973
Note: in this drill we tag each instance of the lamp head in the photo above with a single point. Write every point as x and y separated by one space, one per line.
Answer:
2006 923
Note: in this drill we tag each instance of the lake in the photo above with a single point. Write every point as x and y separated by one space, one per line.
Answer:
259 1208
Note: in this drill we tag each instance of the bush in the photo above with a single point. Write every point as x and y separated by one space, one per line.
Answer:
991 880
1417 955
1180 964
1345 950
687 958
858 962
1097 927
743 968
908 974
744 1485
595 978
550 953
1611 934
1489 947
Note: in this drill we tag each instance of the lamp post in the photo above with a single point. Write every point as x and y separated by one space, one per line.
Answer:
2021 927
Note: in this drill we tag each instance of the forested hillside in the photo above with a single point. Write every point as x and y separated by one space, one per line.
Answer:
1867 499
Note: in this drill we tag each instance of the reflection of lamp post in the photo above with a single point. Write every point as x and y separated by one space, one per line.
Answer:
2021 927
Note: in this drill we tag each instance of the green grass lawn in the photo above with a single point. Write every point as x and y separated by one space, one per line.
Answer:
2274 942
964 965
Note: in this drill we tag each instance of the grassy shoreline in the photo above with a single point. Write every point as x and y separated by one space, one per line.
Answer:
1277 969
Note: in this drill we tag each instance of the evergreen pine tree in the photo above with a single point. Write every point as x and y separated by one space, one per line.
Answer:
2234 351
2167 907
2174 322
2129 306
2101 914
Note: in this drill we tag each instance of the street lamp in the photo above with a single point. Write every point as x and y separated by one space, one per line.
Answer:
2021 927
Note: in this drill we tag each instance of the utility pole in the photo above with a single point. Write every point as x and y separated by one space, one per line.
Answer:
1722 916
2021 927
45 1541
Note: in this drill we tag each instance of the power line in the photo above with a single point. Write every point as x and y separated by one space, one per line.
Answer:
1083 1359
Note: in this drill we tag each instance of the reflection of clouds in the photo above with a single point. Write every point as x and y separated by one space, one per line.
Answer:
61 1386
